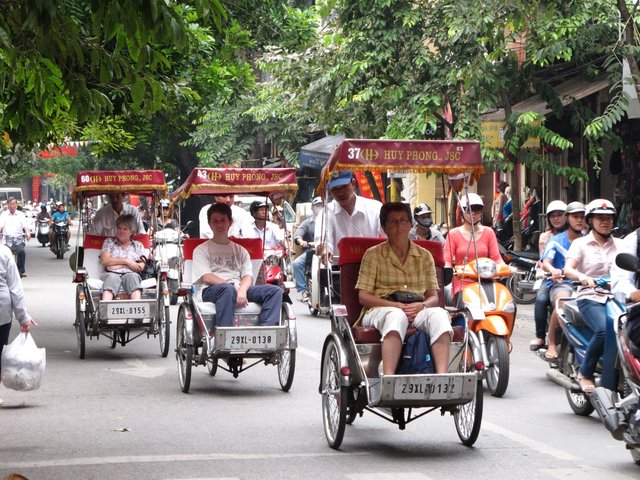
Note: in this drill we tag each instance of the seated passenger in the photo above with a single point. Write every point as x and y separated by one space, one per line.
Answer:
400 265
122 260
225 268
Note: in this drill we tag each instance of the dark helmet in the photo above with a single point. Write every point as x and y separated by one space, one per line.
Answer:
43 206
255 205
422 209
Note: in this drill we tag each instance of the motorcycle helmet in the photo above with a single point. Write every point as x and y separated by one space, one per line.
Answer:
423 209
575 207
472 199
600 206
43 206
255 205
316 201
164 203
556 206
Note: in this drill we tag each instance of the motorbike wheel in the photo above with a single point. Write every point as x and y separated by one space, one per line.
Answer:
60 248
212 366
635 454
334 397
80 325
164 328
184 352
578 402
286 368
497 373
521 288
468 418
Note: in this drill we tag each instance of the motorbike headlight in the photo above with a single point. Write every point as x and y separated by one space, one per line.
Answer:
486 268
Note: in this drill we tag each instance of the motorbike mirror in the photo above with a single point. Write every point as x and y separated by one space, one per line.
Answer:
629 262
447 275
188 225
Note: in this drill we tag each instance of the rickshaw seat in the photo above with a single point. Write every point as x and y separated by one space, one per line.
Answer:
351 251
93 246
252 245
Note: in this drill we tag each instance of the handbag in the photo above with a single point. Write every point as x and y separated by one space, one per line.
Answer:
150 269
405 297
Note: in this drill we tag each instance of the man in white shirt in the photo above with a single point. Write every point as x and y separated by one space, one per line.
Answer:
104 223
623 280
240 216
259 227
347 215
14 230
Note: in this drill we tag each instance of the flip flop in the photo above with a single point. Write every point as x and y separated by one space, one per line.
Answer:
550 357
586 384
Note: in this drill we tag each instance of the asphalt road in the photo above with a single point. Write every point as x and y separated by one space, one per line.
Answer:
119 413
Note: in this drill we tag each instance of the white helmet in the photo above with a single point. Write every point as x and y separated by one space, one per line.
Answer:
556 206
472 198
600 206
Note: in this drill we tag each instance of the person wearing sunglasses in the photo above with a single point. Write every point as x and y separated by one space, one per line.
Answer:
470 240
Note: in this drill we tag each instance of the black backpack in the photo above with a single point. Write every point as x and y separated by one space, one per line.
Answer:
416 355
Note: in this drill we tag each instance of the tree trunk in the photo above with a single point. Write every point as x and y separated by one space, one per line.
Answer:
186 160
513 180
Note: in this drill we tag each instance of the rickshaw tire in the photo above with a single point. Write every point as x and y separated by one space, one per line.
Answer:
287 380
333 427
166 327
80 325
468 436
183 350
212 366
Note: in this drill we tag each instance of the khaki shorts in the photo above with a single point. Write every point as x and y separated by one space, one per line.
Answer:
435 321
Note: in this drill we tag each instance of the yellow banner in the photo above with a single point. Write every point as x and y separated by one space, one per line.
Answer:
493 135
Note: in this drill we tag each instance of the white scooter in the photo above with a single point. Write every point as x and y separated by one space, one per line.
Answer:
43 231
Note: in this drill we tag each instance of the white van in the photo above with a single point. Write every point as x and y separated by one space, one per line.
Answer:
8 192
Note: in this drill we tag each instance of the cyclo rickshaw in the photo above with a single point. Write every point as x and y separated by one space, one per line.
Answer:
120 320
350 382
198 340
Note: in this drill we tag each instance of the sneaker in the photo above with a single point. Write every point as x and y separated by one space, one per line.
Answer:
23 274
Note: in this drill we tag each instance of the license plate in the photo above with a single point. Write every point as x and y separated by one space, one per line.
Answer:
250 339
129 310
427 388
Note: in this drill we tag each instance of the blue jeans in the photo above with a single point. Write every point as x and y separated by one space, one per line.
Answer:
224 296
541 310
594 315
299 265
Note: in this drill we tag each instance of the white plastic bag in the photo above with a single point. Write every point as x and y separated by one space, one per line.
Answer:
23 364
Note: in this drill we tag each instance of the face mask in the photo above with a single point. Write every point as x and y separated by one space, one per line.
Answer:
424 222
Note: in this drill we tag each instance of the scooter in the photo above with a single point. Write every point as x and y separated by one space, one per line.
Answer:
43 232
619 410
492 313
522 284
276 269
59 245
573 341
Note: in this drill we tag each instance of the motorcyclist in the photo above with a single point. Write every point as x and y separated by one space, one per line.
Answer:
261 227
556 223
553 261
303 236
623 280
60 215
423 229
165 219
43 214
590 257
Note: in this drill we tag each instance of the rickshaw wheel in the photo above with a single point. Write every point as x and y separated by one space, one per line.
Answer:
212 366
334 396
468 418
498 370
286 368
81 327
164 328
184 352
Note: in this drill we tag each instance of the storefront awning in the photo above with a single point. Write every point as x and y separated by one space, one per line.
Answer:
316 154
568 92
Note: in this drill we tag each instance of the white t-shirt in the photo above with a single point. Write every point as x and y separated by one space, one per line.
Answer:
13 225
238 214
363 222
272 236
230 262
104 223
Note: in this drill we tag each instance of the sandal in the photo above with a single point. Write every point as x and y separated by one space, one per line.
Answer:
551 357
536 344
586 384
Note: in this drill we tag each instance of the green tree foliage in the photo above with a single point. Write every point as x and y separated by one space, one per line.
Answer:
67 64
